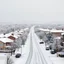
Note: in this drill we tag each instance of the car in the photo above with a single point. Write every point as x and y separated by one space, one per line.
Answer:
50 46
41 42
61 54
18 55
47 47
53 51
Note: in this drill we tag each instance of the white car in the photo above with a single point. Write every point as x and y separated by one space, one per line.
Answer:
18 51
47 47
61 54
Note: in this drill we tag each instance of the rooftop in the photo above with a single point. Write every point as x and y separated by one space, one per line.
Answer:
6 40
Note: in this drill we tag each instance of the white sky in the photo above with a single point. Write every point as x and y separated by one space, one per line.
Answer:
32 11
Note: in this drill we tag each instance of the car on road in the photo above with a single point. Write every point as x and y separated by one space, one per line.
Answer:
47 47
53 51
61 54
18 55
41 41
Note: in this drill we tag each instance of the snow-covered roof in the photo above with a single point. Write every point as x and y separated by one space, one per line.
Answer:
7 35
54 30
10 34
58 38
17 33
46 30
16 36
6 40
21 31
2 35
26 29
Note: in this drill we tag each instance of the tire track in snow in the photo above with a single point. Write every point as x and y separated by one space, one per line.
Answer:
43 61
30 52
39 58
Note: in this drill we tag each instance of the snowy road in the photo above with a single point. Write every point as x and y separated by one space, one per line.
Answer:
38 54
35 54
31 52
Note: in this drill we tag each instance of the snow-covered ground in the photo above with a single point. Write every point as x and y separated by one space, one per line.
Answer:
35 53
3 58
24 53
43 59
50 57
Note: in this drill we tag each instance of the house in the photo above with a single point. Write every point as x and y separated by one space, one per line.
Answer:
4 43
18 33
21 31
8 42
56 33
57 40
12 36
5 35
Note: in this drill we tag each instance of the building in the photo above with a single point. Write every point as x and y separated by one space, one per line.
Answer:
5 43
13 36
56 33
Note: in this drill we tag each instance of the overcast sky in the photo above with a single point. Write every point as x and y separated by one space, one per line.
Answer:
32 11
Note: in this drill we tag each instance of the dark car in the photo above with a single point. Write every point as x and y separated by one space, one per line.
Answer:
18 55
50 46
53 51
41 42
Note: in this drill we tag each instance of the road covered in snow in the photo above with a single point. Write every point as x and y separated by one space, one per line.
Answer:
35 55
33 52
